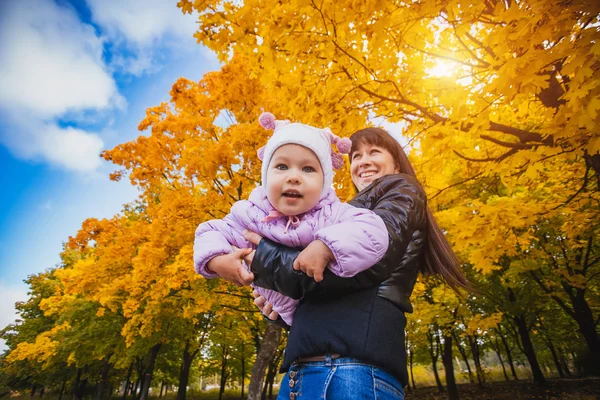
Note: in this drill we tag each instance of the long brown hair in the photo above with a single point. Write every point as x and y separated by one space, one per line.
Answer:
440 260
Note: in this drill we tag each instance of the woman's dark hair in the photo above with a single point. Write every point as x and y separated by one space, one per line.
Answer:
439 257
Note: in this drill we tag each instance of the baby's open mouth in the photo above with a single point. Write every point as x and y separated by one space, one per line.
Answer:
292 194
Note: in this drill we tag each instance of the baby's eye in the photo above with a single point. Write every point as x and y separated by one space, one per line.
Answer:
281 167
308 169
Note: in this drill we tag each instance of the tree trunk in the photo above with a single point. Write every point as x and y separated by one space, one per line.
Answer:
103 384
270 376
587 327
33 390
76 384
223 381
184 371
449 367
463 354
138 383
126 388
496 347
162 387
267 350
62 389
508 354
528 349
412 375
565 364
81 389
147 378
242 378
42 391
555 358
434 357
476 359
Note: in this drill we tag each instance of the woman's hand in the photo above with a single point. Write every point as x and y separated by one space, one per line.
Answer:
265 307
230 267
314 259
254 238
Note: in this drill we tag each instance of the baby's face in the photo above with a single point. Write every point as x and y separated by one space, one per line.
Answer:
294 179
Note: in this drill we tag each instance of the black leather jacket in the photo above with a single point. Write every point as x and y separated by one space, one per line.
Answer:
401 202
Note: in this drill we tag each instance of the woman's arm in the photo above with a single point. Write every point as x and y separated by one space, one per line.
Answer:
398 199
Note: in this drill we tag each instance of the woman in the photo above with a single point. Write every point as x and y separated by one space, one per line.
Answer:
347 340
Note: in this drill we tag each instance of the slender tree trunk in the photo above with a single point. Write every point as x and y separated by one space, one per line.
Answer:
434 357
42 391
555 358
412 375
267 350
103 384
33 390
184 371
243 373
496 347
508 353
565 364
147 379
270 376
162 387
449 367
76 383
126 388
138 383
476 359
62 389
528 349
82 387
463 354
223 381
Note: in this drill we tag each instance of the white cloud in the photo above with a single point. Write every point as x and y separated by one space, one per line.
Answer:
142 22
68 148
10 295
142 28
50 65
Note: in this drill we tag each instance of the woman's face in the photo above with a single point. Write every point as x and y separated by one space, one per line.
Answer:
369 163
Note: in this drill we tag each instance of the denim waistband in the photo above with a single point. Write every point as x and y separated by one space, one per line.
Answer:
333 361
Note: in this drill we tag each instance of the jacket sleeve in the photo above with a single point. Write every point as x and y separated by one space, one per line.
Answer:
358 239
400 202
214 238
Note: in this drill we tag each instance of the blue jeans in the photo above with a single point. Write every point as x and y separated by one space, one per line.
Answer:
339 379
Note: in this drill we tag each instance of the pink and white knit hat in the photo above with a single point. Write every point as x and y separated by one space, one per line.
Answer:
315 139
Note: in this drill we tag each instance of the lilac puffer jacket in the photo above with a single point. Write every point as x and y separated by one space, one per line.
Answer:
357 237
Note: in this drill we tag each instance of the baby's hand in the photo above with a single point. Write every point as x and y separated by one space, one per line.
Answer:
314 259
230 267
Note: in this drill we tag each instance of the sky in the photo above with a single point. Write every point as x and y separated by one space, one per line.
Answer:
76 78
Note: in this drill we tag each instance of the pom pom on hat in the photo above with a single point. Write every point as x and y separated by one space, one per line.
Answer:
337 160
343 145
261 153
267 120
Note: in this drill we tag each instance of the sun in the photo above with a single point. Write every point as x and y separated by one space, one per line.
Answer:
443 68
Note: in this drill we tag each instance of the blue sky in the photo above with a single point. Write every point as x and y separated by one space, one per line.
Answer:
76 77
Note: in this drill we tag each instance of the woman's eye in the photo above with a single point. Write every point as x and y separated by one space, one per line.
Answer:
308 169
375 151
281 167
354 156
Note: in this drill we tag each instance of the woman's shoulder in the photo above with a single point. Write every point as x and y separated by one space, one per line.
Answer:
392 184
